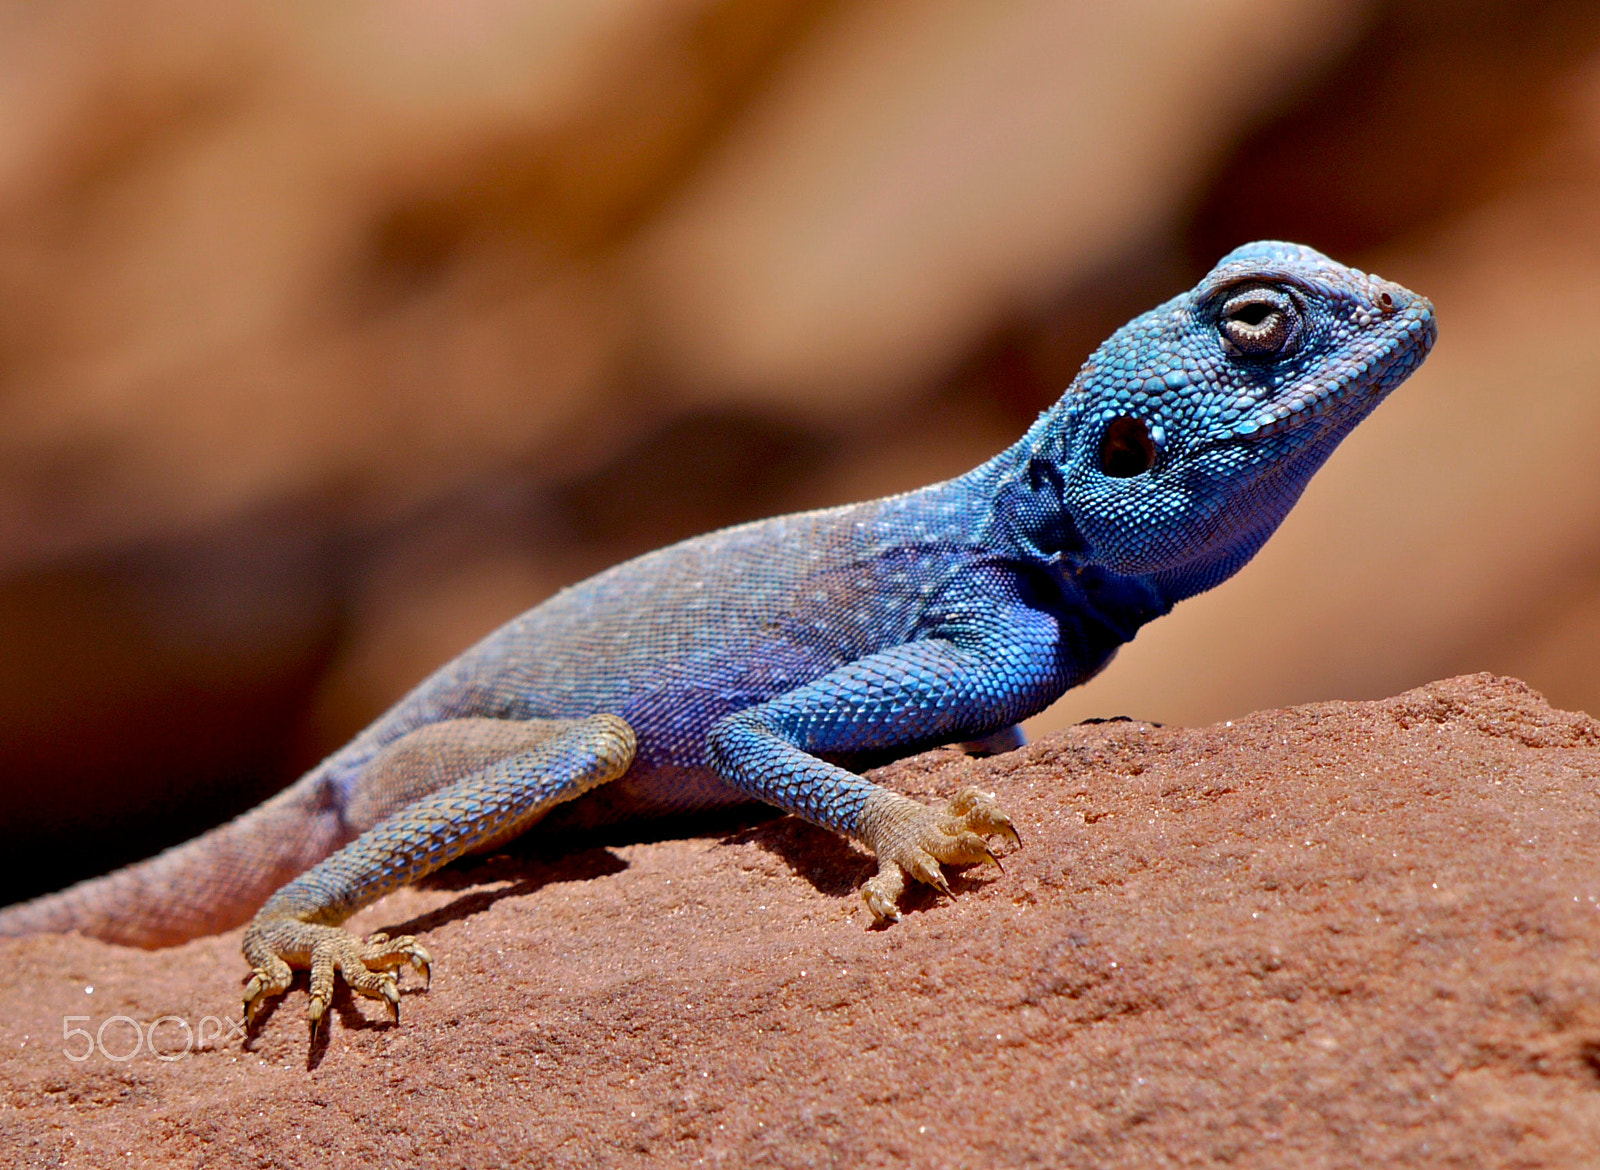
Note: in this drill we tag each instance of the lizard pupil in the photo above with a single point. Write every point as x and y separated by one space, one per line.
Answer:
1127 449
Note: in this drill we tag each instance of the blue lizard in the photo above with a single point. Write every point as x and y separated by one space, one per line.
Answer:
755 663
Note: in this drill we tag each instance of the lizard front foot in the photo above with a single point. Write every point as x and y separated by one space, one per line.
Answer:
913 840
274 948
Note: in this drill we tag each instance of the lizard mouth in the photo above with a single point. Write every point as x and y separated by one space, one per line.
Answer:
1358 386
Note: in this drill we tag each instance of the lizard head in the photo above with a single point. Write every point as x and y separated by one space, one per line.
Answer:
1188 436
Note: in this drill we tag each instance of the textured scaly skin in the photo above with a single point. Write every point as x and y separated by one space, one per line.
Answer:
726 668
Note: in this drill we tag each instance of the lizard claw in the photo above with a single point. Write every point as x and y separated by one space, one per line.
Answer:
271 976
921 865
912 840
883 909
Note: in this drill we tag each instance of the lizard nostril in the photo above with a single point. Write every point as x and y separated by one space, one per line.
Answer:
1386 302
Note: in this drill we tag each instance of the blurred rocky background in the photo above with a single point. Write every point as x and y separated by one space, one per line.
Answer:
334 335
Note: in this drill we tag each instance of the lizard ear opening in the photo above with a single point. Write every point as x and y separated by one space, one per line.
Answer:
1127 449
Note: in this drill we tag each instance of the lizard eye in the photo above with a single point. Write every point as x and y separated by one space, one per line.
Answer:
1127 449
1259 322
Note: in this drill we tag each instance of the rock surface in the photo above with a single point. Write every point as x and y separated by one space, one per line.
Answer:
1341 934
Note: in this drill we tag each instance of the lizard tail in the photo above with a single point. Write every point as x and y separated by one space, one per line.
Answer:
209 884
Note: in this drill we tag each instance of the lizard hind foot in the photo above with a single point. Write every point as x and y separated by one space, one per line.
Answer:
369 966
914 840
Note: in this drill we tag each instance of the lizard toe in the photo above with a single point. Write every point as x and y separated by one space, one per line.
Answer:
882 892
961 848
924 866
270 977
979 812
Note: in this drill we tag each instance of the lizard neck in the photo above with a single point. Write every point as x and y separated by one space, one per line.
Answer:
1021 516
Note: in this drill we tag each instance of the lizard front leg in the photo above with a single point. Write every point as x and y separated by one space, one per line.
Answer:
994 669
540 764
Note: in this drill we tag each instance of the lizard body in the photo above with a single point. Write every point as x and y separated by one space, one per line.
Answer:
756 662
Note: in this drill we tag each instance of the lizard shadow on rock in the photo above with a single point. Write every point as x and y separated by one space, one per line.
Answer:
829 863
350 1019
569 854
834 867
512 867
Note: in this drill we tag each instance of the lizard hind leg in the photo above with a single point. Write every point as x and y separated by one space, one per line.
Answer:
553 762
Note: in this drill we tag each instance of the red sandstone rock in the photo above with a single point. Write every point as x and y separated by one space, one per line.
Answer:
1343 934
